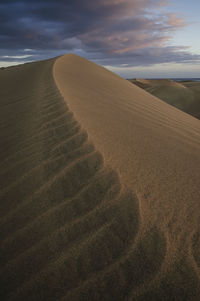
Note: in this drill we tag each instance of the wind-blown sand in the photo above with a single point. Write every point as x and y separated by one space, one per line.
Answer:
183 95
99 188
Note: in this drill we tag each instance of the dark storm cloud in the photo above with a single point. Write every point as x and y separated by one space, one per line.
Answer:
112 32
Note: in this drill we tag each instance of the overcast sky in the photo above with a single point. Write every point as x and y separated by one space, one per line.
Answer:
134 38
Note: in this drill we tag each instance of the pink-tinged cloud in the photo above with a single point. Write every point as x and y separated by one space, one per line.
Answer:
124 26
176 21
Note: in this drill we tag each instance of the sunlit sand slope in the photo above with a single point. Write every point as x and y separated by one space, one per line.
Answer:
98 200
183 95
155 148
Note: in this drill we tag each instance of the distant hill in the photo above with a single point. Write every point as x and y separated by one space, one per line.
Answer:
184 95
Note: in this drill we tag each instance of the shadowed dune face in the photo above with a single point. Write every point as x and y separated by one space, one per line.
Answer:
67 223
184 96
73 225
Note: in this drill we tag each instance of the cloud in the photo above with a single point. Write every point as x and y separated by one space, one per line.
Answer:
16 56
133 32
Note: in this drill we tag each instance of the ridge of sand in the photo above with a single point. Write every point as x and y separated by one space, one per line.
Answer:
64 216
154 147
75 224
158 82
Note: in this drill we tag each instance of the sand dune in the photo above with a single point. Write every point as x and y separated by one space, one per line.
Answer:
99 184
183 95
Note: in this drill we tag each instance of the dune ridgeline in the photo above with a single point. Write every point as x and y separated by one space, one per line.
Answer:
99 188
184 95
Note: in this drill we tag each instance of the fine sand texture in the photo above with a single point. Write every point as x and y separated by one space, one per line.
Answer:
99 188
183 95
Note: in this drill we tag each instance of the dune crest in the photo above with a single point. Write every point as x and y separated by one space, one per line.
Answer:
153 146
99 188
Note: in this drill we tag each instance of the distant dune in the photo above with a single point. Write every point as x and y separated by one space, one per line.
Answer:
183 95
99 184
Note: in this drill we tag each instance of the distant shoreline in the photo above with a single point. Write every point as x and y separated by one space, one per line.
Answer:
186 79
178 79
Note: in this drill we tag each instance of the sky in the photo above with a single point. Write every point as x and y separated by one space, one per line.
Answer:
133 38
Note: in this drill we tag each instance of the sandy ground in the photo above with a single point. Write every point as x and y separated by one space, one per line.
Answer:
99 184
183 95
